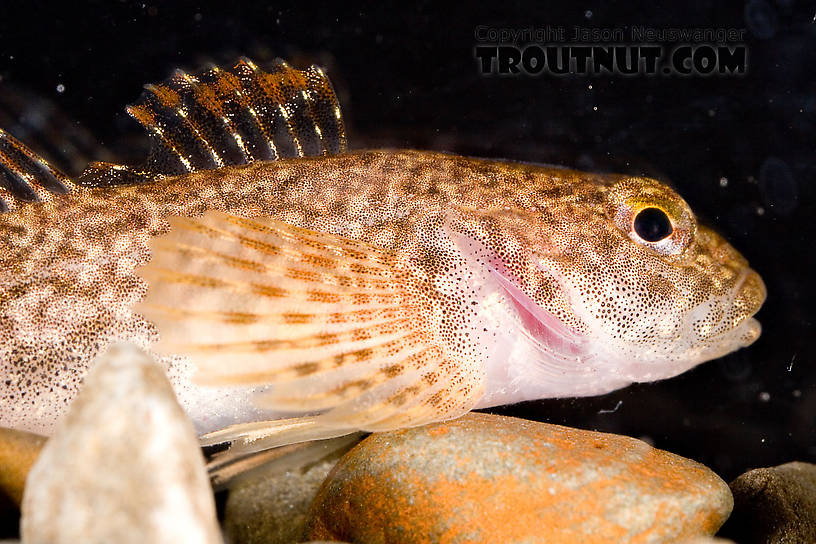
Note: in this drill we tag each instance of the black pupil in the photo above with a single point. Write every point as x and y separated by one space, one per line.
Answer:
652 224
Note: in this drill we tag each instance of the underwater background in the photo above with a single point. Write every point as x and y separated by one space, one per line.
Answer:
739 149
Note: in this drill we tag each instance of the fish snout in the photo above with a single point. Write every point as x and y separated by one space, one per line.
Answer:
743 290
751 293
750 296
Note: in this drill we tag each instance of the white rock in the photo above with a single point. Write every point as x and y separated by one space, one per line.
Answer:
123 466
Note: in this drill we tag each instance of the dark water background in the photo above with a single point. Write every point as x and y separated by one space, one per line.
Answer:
407 77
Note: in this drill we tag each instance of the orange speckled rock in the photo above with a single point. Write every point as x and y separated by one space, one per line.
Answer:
486 478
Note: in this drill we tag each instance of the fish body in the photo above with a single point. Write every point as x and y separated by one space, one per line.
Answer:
364 290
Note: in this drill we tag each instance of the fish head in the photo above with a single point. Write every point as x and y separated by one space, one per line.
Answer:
649 292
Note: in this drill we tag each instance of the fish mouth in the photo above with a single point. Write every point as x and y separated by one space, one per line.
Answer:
751 292
748 332
749 295
736 328
738 301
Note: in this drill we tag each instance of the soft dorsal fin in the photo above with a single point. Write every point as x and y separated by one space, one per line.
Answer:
25 176
224 117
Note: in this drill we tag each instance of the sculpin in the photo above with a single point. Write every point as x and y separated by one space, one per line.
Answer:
274 272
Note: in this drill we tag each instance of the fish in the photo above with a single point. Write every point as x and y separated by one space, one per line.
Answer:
294 289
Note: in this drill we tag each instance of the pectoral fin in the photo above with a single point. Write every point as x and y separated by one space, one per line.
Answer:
342 328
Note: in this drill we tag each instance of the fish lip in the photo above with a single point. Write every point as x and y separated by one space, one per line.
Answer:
747 330
739 288
743 293
752 332
740 282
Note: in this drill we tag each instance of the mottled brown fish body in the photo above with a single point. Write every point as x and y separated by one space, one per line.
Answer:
352 291
67 282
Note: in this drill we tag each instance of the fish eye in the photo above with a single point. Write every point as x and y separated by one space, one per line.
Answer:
652 225
652 215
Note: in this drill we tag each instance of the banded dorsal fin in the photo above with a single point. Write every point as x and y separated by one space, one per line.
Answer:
228 117
25 176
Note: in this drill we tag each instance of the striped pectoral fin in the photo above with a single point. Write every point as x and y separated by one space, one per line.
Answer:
342 329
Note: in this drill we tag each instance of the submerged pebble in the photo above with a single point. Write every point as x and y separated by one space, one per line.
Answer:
123 466
271 506
486 478
774 505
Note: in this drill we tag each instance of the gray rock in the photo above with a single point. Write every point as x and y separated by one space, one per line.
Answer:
123 466
269 505
774 505
484 478
273 510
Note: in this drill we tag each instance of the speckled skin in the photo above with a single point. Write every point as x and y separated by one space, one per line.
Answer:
562 238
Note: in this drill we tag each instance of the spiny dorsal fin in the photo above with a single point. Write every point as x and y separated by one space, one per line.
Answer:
228 117
25 176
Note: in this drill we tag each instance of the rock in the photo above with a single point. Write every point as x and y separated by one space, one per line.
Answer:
18 451
273 510
774 505
269 505
485 478
123 465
